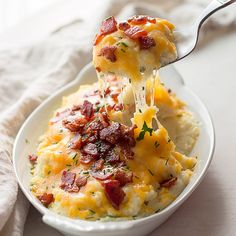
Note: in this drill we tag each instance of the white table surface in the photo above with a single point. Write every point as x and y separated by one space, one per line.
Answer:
211 211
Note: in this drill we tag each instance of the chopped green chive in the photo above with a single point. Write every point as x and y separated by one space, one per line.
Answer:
167 161
157 210
91 211
150 172
156 144
145 129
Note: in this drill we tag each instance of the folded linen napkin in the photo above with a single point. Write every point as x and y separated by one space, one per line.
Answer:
30 73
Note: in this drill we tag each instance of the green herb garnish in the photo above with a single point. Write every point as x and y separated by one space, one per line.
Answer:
150 172
91 211
75 155
142 69
145 129
123 44
26 141
157 144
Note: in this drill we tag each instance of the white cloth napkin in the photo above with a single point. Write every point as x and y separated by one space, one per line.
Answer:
30 73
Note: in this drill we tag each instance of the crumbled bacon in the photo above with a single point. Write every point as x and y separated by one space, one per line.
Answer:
90 149
103 148
124 26
76 107
74 123
114 192
127 134
169 183
67 180
112 133
104 119
87 109
75 142
123 177
46 199
146 42
33 158
135 32
112 157
98 69
60 116
98 39
86 159
108 26
109 53
141 20
138 20
81 181
101 176
98 165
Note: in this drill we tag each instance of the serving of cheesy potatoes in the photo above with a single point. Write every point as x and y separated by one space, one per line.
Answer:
118 148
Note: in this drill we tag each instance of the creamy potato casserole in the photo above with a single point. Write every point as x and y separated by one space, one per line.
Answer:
118 148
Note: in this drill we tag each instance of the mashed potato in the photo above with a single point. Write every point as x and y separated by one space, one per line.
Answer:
155 162
116 149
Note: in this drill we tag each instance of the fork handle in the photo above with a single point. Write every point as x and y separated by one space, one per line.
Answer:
214 6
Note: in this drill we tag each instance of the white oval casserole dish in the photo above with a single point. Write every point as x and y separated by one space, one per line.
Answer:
37 122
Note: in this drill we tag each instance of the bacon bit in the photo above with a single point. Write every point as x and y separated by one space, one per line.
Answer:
87 109
98 69
60 116
115 95
135 32
81 181
67 180
104 119
123 177
127 151
138 20
169 183
76 107
109 53
32 158
127 134
103 148
98 165
108 26
46 199
124 26
112 157
107 91
112 133
75 142
152 20
73 189
86 159
98 39
118 107
146 42
114 192
74 124
90 149
101 176
141 20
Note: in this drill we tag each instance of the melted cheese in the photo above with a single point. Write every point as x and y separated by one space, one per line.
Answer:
155 156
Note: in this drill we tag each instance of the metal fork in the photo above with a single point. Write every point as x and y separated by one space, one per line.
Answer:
186 40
